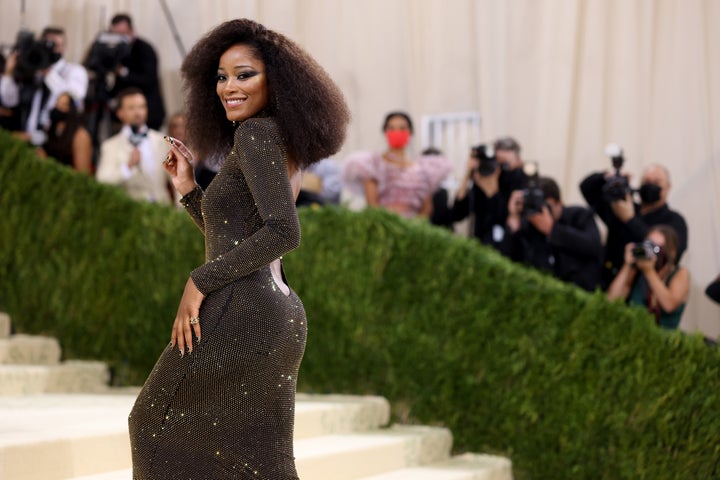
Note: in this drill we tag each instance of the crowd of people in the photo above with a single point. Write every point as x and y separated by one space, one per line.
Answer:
105 118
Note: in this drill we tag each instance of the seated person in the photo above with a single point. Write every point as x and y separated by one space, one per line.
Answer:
68 140
393 179
650 277
544 233
493 173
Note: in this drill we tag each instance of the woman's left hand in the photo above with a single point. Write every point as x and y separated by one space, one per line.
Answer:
187 320
646 264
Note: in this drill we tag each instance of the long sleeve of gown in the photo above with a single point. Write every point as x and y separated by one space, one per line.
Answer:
263 165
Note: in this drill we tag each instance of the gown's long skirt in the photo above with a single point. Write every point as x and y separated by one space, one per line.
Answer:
226 410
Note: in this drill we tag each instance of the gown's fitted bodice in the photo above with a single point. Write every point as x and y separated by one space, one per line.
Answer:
226 411
248 213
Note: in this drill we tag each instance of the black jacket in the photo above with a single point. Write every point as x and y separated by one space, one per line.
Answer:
490 213
620 234
572 251
142 65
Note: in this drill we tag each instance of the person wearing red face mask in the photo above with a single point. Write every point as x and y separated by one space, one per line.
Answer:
393 179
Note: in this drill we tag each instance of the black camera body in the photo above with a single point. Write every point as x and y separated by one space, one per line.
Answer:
107 52
485 154
646 250
33 55
617 186
533 195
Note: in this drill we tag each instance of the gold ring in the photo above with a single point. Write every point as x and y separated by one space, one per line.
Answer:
194 320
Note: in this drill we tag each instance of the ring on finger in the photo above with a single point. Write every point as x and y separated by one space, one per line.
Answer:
194 320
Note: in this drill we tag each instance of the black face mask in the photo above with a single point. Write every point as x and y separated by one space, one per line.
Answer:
58 115
649 193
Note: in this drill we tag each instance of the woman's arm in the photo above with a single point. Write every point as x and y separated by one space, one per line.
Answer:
426 208
82 151
263 163
370 187
621 284
671 296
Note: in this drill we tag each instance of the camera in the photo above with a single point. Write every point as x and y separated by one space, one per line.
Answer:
646 249
107 52
33 55
533 195
617 186
485 153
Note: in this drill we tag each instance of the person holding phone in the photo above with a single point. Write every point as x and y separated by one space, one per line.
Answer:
220 401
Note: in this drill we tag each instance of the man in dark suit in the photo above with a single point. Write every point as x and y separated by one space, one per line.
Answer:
139 69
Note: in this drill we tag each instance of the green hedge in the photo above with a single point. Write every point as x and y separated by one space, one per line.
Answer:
565 383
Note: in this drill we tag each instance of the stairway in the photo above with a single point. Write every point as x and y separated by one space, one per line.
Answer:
60 421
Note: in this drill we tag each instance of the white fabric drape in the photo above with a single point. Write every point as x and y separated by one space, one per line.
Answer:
564 77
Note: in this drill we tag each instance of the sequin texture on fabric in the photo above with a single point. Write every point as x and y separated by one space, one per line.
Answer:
226 410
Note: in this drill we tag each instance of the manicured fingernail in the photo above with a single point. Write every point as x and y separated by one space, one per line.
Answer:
182 353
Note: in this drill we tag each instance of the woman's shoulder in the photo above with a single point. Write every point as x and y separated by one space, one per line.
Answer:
266 126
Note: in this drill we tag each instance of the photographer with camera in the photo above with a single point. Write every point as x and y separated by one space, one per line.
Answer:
544 233
651 277
493 172
138 68
35 76
611 198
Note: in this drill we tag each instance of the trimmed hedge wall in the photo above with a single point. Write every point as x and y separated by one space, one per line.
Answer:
514 362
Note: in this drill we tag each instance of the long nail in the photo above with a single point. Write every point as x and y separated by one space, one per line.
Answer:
182 353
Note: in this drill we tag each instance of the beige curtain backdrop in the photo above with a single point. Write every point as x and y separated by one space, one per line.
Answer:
564 77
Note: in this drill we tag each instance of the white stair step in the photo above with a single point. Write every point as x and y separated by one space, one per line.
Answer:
4 325
70 376
29 350
370 453
351 456
468 466
79 434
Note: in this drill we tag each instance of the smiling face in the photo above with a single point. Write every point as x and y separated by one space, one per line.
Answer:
241 83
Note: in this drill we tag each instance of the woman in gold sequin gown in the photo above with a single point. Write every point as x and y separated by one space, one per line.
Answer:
219 403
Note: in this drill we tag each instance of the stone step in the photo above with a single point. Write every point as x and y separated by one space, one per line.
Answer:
469 466
67 377
4 325
352 456
78 434
29 350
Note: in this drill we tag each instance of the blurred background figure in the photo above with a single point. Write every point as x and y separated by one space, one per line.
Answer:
651 277
394 180
68 141
321 184
35 75
132 159
610 196
493 172
545 234
139 69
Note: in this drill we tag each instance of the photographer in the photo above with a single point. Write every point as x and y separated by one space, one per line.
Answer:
543 233
610 196
492 173
139 68
34 77
650 277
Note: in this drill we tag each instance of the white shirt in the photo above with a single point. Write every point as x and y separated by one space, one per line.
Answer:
62 77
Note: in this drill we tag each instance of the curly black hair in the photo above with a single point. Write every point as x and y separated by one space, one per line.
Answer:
307 105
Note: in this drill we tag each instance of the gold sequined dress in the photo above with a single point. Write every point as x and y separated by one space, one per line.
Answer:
226 410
